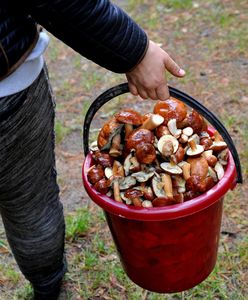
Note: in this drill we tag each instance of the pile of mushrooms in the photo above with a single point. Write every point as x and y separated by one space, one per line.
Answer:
161 158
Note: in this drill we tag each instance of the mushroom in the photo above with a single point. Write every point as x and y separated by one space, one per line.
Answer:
145 153
171 168
218 143
196 183
185 166
211 159
223 157
125 199
190 195
166 179
206 142
183 138
129 117
126 182
102 185
196 122
179 155
108 173
93 146
118 172
188 131
115 149
198 166
172 126
135 196
179 183
212 173
157 186
131 164
95 173
107 133
137 137
171 109
219 170
194 149
161 130
102 158
142 176
152 122
167 145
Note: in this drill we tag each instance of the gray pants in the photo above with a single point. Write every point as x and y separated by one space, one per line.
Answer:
29 195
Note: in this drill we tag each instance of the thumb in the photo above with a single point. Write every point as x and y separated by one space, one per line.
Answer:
173 67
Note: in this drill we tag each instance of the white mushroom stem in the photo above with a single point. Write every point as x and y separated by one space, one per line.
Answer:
192 144
185 166
117 195
152 122
166 179
172 126
115 150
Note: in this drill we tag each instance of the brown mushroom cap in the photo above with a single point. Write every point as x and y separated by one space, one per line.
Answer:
198 166
129 116
196 183
107 132
102 186
95 173
102 158
197 122
145 153
171 109
161 130
137 137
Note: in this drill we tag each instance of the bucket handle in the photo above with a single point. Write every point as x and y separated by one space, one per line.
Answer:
208 115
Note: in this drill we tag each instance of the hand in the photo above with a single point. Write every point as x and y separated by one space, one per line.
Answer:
148 79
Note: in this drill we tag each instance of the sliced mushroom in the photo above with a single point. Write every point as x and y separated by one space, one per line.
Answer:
142 176
219 170
118 172
126 182
171 168
134 196
152 122
223 157
131 164
172 126
167 145
179 183
157 186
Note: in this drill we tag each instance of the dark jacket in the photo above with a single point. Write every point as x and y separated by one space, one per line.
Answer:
97 29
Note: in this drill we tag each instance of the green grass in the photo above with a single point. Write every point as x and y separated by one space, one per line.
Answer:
60 131
77 224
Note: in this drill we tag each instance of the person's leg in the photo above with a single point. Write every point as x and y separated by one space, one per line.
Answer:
29 194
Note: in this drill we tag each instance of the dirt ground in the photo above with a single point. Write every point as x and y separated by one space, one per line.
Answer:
209 40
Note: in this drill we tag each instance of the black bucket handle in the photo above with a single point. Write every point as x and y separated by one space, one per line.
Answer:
208 115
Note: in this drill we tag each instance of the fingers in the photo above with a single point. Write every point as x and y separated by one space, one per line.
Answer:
173 67
132 88
163 92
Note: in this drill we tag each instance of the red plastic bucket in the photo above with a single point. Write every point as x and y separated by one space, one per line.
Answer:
167 249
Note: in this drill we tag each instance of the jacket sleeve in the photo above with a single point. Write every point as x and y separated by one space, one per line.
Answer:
97 29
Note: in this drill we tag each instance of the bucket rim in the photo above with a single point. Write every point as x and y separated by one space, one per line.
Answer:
228 181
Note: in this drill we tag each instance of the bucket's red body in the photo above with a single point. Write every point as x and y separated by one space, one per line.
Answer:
167 249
